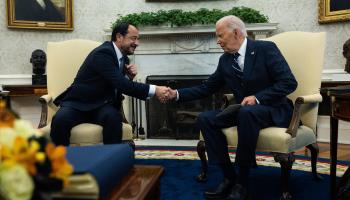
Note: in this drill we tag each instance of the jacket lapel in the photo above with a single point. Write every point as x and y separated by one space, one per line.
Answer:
110 45
249 60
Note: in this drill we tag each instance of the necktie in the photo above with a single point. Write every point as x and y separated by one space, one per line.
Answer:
236 67
121 69
121 63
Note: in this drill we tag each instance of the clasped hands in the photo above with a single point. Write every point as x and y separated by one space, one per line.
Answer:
165 94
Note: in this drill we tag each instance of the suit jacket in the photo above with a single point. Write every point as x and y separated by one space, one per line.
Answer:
96 82
266 75
30 10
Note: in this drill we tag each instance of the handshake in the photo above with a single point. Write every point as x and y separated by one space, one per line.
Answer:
165 94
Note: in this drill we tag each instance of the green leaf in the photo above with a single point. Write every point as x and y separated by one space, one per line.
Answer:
177 17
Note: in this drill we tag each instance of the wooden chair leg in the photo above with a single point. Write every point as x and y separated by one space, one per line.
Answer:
202 177
286 161
314 150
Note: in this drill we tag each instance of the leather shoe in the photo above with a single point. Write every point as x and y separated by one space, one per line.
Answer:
221 191
238 192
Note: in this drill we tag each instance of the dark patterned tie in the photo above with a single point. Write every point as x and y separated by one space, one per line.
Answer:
121 63
236 67
121 69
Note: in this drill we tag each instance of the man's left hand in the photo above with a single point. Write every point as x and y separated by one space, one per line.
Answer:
131 71
249 100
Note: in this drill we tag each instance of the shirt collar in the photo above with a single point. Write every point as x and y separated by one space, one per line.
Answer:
243 48
117 51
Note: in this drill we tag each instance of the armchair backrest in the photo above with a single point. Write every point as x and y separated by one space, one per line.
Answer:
63 62
304 53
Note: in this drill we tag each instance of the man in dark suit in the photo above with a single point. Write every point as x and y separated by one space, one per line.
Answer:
260 80
37 10
95 96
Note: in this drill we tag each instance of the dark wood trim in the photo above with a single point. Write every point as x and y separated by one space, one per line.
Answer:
25 90
339 106
142 182
324 108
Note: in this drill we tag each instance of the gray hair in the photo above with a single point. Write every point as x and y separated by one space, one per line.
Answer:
234 22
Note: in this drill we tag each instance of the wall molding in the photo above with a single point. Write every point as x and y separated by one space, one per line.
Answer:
323 130
335 75
193 39
259 28
15 79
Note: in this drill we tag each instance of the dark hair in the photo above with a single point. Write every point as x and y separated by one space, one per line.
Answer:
121 28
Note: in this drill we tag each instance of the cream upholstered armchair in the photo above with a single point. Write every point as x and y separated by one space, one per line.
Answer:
304 53
63 62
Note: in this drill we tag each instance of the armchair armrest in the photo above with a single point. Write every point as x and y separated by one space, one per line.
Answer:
44 101
306 99
313 98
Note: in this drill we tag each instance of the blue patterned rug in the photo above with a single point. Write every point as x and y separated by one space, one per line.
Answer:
182 165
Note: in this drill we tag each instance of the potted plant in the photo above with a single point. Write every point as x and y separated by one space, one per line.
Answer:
179 17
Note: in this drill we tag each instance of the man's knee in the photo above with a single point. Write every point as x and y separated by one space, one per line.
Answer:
246 111
61 126
111 117
205 117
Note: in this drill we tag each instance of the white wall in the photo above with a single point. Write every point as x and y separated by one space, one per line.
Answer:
91 17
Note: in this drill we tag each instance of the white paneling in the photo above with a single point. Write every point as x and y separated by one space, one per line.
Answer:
323 130
28 108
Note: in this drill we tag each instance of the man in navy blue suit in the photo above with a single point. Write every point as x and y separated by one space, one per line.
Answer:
95 96
260 79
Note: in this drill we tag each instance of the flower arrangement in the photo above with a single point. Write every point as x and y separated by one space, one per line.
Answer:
30 166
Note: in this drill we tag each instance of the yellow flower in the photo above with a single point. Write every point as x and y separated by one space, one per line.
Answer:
40 157
22 152
17 150
20 128
61 168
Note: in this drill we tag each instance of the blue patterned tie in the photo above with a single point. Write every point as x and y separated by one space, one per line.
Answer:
236 67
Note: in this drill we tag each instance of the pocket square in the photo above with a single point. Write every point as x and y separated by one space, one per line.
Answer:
231 109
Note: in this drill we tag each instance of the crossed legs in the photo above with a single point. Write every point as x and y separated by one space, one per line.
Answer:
249 120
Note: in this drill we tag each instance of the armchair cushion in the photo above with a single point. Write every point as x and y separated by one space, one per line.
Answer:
274 139
89 134
85 134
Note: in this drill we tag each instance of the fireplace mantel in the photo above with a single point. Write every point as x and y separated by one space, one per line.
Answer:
189 39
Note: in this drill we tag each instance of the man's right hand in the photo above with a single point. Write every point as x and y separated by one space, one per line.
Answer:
162 93
172 94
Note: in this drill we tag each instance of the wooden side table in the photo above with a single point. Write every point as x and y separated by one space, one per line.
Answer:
142 183
340 109
23 91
